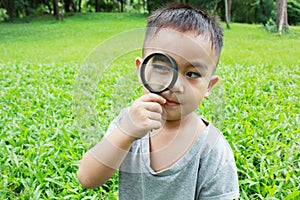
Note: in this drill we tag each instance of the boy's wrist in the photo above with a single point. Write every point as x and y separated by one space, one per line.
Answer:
129 129
126 136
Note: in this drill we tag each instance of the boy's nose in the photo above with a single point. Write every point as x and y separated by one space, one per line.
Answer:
179 85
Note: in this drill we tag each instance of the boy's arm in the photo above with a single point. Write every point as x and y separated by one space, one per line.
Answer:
101 162
95 170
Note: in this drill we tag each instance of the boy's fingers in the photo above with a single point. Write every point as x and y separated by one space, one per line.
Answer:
156 124
153 98
153 107
154 116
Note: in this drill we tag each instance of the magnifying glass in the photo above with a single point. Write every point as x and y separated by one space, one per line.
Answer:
159 72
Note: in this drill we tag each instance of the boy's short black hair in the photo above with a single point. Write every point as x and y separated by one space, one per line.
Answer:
184 18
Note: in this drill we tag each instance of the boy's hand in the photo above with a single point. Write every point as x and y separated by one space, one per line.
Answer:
144 115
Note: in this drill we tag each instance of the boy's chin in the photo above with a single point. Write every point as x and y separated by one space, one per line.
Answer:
172 117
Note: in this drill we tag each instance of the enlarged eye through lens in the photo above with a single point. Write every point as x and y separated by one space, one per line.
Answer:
159 72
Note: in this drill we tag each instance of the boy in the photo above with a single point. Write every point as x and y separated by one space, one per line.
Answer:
162 148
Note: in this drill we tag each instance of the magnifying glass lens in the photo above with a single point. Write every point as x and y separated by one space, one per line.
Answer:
159 72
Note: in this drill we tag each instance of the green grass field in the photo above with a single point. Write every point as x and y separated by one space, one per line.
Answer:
41 146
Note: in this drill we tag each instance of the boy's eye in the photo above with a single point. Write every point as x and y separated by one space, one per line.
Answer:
162 68
193 75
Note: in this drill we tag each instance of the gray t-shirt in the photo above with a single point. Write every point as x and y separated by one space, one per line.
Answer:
206 171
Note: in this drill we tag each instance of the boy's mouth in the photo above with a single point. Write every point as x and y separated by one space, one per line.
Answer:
171 103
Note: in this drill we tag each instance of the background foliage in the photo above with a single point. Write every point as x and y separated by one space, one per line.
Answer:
245 11
41 147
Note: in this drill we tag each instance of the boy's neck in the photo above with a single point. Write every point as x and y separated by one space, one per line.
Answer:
176 124
174 140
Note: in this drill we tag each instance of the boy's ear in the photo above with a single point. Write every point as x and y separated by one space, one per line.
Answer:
138 63
213 81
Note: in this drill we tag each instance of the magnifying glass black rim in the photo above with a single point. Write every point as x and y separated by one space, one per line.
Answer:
175 72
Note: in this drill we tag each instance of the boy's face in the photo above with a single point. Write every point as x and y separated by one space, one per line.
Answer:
196 61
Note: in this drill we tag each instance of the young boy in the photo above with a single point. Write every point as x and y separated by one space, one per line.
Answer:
162 148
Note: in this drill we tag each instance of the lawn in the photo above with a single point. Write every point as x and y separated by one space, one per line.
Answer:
256 104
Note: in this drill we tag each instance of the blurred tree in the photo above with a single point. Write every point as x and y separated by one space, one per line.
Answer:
79 5
227 12
96 5
281 16
8 5
122 2
58 9
55 8
68 5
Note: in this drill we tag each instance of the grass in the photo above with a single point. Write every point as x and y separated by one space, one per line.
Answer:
41 146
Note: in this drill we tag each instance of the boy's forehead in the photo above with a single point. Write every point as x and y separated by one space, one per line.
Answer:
191 47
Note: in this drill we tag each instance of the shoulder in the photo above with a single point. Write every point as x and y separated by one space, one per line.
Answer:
217 171
216 144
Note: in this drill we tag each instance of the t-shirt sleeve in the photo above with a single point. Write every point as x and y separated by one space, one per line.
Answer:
116 122
218 173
